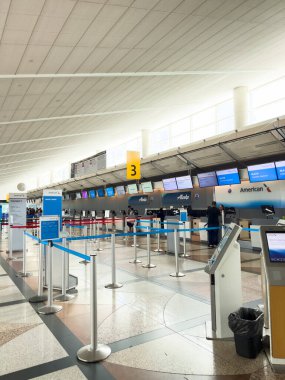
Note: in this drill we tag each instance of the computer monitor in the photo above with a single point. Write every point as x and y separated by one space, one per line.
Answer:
276 246
110 191
262 172
120 190
84 194
228 177
147 187
207 179
184 182
101 193
92 194
268 210
132 189
280 168
169 184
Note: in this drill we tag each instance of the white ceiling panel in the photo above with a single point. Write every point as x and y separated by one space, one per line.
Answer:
11 55
26 7
55 59
103 23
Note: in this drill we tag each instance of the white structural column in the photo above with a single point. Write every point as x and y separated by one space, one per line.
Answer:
241 103
145 134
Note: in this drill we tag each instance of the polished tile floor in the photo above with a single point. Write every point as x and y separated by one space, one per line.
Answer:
154 323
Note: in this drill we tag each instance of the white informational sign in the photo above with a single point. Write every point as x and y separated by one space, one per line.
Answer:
17 217
252 195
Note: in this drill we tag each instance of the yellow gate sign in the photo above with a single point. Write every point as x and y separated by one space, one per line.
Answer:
133 165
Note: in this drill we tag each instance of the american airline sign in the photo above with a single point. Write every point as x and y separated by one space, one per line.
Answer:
248 195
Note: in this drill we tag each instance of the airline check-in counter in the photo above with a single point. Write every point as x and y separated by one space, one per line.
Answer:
224 269
273 254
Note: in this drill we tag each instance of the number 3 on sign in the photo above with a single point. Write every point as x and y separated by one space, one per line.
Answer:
133 170
133 165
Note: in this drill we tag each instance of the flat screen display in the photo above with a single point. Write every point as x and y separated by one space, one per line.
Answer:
276 246
132 189
228 177
280 168
169 184
92 194
78 195
101 193
224 239
207 179
147 187
120 190
262 173
184 182
110 191
84 194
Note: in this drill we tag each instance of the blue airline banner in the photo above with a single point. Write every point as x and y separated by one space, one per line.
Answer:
52 203
138 200
182 198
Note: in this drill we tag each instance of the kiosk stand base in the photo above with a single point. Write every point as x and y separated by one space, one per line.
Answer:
211 335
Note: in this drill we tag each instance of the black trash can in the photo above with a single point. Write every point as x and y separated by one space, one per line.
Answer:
247 326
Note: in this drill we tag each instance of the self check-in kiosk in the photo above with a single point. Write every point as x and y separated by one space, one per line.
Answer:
273 251
224 269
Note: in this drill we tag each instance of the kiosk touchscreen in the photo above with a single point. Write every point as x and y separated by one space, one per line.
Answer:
224 269
273 249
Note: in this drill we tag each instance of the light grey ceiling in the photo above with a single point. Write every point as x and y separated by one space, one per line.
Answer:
241 39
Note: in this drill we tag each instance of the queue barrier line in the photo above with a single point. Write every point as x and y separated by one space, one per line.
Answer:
75 253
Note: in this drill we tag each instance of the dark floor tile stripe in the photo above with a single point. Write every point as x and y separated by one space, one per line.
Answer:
66 338
39 370
11 303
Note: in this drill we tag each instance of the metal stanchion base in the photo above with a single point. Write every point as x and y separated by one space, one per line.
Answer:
114 285
148 266
84 262
85 354
49 309
184 255
64 297
37 299
22 274
134 245
10 258
135 261
158 250
175 274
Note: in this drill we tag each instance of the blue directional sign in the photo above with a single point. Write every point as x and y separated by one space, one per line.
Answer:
49 227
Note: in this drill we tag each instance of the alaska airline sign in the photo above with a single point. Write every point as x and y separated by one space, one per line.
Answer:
138 200
177 199
248 195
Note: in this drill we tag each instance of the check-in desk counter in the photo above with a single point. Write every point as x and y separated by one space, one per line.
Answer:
255 236
170 235
144 222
